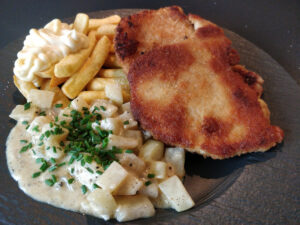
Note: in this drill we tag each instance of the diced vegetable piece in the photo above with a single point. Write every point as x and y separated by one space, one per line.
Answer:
133 207
176 156
122 142
79 103
102 203
126 107
41 98
104 107
152 150
176 194
130 186
150 190
20 114
158 168
131 162
113 124
112 177
65 114
161 201
114 92
136 134
128 120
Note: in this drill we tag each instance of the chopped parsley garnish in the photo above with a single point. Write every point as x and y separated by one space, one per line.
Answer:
129 151
83 189
82 163
70 181
36 174
42 137
26 147
147 183
71 160
23 141
103 108
105 142
52 160
95 109
72 170
151 175
61 164
47 133
126 122
36 128
88 159
27 105
52 168
89 169
43 113
53 178
99 172
40 160
44 166
25 122
49 182
58 105
54 149
95 186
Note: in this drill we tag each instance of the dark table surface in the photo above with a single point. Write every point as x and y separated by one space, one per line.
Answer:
273 26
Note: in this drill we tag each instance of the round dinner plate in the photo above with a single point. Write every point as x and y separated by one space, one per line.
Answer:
256 188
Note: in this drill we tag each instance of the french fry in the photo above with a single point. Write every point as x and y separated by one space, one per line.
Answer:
23 86
112 73
112 62
81 78
107 29
71 63
95 23
59 96
90 96
46 73
81 23
55 81
98 84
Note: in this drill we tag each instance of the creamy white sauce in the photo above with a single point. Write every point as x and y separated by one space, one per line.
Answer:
22 166
45 47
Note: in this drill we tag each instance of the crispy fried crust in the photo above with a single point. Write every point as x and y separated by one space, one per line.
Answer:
187 87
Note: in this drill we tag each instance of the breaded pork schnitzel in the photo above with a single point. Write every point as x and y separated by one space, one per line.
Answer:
187 88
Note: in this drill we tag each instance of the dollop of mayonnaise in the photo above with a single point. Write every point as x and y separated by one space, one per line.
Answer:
45 47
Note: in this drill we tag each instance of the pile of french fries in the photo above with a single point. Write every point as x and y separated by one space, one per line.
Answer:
92 73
